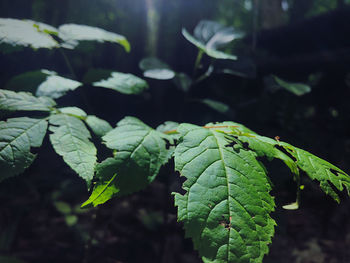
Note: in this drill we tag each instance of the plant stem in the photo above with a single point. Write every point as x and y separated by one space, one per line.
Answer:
198 61
69 65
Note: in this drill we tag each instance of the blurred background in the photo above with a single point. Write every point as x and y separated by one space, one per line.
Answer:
299 41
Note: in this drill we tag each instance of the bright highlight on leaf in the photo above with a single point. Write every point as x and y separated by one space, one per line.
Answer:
70 139
17 137
123 83
71 34
26 33
156 69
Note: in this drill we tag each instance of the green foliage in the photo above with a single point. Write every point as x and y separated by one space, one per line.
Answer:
17 137
22 101
226 204
70 139
124 83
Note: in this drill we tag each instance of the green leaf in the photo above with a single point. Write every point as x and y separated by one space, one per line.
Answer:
71 220
23 101
169 128
226 207
298 89
104 190
96 74
6 259
55 86
28 81
183 82
63 207
71 34
98 126
70 139
216 105
141 151
26 33
74 111
156 69
17 136
315 167
124 83
210 35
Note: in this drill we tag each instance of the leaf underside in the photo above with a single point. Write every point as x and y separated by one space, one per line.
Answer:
71 140
141 151
226 207
17 137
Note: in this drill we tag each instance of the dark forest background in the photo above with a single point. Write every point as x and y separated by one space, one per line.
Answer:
297 40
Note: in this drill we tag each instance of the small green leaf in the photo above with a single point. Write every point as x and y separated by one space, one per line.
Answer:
103 191
23 101
183 82
17 137
292 206
71 220
71 34
55 86
98 126
298 89
63 207
26 33
156 69
70 139
216 105
124 83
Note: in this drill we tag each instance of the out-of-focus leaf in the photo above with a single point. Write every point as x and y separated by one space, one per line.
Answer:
55 86
23 101
6 259
183 82
298 89
96 74
27 33
63 207
156 69
124 83
28 81
17 137
98 126
216 105
210 35
71 140
71 220
243 67
71 34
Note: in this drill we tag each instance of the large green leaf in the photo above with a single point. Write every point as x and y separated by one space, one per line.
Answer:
23 101
71 34
124 83
17 137
141 151
226 207
70 139
26 33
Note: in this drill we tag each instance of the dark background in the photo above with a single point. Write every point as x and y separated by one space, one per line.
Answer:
297 40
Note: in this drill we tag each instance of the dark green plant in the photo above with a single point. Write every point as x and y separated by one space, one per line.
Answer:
227 204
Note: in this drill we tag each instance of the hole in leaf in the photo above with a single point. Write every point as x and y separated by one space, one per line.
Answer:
282 149
335 172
